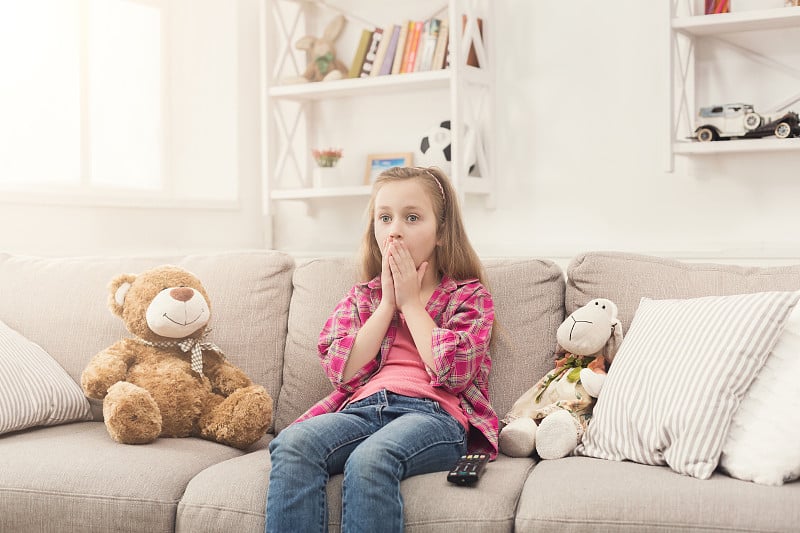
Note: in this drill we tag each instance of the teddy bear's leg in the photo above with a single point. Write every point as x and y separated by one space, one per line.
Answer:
131 415
240 419
518 438
558 435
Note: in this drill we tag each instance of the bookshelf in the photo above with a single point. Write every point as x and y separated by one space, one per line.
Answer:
690 31
293 115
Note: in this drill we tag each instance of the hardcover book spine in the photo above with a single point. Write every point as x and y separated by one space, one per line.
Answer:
372 52
408 65
391 52
361 51
402 45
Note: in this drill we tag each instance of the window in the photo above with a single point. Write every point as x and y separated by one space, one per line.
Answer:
81 94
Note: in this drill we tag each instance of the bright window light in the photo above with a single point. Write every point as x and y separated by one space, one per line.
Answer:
81 93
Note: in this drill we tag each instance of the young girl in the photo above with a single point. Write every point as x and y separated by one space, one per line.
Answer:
407 353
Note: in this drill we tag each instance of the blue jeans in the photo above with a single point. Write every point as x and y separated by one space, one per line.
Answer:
376 442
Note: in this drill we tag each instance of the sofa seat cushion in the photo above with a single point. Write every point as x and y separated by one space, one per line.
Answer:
74 478
637 498
431 503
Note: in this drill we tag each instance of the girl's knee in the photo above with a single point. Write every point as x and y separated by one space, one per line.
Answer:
368 459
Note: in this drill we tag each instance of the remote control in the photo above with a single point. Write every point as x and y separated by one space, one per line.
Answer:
468 469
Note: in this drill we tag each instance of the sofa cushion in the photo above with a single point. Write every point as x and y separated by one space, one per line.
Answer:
249 293
581 494
679 376
625 278
34 389
74 478
528 296
210 506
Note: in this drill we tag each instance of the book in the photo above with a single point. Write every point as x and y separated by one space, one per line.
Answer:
441 46
372 52
428 44
472 56
413 39
399 52
388 62
383 47
361 51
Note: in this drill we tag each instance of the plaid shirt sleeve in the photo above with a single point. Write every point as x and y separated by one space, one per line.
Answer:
461 344
338 337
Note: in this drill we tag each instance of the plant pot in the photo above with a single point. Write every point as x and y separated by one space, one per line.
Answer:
326 177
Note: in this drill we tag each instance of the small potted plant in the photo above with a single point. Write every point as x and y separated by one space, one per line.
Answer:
326 174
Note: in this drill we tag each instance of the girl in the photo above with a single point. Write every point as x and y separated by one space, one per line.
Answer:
407 353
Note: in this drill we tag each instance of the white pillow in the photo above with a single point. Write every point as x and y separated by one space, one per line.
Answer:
763 443
679 377
34 389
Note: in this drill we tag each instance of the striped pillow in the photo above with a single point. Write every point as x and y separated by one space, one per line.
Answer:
34 389
679 376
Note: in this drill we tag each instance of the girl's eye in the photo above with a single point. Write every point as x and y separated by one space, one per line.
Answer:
412 218
385 218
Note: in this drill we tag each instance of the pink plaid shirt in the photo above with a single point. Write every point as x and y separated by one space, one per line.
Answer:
464 314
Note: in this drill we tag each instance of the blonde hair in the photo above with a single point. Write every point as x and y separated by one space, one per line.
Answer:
454 256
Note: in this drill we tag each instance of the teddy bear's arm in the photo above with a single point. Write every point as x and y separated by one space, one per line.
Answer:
225 378
105 369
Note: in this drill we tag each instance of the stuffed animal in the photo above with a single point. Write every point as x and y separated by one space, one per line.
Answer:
321 55
168 380
552 415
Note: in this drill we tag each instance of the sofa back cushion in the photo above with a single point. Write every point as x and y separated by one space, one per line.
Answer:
625 278
61 304
528 296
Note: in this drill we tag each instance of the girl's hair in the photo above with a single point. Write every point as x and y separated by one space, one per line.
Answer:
454 256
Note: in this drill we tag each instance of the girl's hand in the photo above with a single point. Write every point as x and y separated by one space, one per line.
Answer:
407 279
387 283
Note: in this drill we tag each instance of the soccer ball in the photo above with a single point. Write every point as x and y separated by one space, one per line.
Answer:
434 149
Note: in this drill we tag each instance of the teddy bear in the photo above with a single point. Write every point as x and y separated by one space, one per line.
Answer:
321 53
168 380
552 415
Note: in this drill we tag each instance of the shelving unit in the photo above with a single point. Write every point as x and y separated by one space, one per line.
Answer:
689 30
290 113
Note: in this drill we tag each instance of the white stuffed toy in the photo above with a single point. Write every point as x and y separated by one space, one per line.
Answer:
551 416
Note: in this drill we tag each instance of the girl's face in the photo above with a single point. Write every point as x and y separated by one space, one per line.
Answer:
404 212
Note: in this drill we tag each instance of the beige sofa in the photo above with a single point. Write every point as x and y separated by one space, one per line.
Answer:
268 311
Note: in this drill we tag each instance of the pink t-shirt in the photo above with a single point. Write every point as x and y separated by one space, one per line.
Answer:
404 373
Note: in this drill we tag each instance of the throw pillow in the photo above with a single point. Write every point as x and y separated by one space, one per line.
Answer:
34 389
679 377
762 444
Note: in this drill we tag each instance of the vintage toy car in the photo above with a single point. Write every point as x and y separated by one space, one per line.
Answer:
729 121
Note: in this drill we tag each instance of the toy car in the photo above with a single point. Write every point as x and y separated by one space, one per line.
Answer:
741 120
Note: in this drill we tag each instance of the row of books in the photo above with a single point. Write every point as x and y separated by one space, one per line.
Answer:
412 46
717 6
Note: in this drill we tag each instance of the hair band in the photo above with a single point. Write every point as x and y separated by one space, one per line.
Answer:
431 174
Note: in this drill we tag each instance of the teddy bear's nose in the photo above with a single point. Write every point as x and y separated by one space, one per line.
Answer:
182 294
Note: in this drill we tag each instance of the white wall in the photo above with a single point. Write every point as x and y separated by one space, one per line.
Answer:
582 143
211 90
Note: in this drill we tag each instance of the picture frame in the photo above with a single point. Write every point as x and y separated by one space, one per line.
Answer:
377 163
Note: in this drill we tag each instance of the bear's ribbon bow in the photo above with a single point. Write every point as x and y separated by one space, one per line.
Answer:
196 346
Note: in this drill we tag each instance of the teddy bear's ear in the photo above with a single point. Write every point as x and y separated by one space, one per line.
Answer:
118 288
334 28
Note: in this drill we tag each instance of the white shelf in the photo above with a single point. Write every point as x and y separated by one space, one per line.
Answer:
320 192
736 145
763 19
415 81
